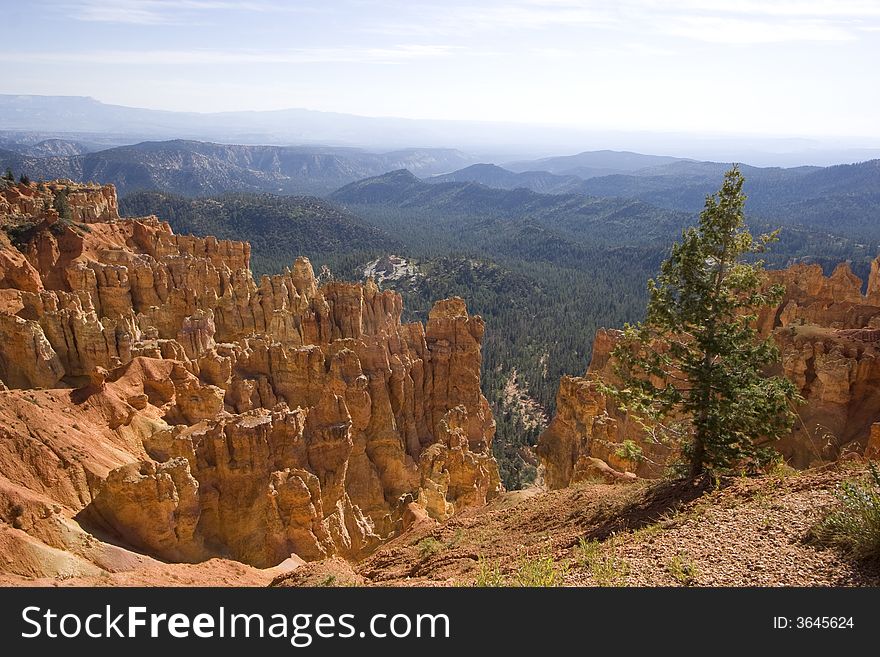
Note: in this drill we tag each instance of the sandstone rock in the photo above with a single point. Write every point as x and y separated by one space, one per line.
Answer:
873 292
596 470
271 484
453 338
15 270
453 477
27 359
196 334
248 418
153 507
828 336
90 204
872 450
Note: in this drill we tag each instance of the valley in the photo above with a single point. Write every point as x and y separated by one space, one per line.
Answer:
402 439
348 325
547 267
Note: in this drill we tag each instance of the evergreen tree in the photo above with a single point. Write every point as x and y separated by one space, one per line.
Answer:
694 372
24 179
62 205
9 175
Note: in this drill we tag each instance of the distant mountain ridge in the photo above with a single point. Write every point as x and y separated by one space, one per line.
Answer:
591 164
196 168
493 175
45 147
583 219
83 118
842 199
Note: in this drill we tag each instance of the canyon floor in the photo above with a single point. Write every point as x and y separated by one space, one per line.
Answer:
743 532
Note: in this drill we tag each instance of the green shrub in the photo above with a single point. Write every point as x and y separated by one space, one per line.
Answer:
630 451
854 522
606 570
536 572
682 569
489 574
541 571
62 206
429 546
19 234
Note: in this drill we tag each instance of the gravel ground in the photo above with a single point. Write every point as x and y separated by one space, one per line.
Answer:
749 532
753 533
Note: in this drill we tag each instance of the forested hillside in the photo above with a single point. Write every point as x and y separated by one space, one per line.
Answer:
542 294
844 199
478 213
279 228
594 163
545 271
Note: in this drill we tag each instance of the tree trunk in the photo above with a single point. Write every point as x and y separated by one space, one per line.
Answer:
697 457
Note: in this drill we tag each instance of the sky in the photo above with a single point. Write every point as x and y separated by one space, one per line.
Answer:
781 67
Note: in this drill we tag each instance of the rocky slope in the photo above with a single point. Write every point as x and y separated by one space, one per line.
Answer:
753 531
158 398
828 334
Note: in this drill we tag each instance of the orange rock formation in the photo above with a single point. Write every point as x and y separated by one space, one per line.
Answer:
828 333
156 395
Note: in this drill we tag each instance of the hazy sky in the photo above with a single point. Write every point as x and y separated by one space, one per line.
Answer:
761 66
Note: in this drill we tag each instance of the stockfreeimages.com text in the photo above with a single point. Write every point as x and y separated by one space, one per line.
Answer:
300 629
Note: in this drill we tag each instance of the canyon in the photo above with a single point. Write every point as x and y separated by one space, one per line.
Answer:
157 402
166 417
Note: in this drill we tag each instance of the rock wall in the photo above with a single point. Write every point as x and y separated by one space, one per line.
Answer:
259 418
828 333
88 203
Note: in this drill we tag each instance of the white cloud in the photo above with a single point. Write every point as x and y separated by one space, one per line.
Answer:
790 8
355 55
722 21
715 29
158 12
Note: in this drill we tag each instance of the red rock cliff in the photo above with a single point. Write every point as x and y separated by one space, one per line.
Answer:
157 392
828 334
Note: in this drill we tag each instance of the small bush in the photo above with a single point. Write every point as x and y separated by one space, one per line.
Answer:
683 570
540 571
533 572
605 569
429 547
489 575
854 522
57 229
17 513
20 234
630 451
